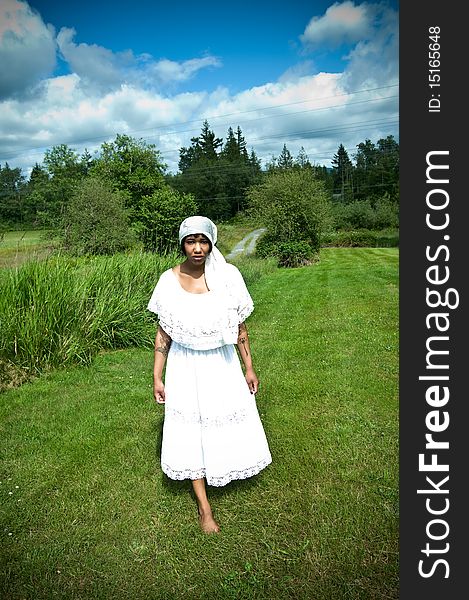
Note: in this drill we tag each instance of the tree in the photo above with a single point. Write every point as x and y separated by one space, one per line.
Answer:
131 166
231 150
12 184
285 160
96 220
294 206
160 217
201 174
388 167
302 160
238 170
343 174
208 143
86 162
61 161
53 183
134 168
365 169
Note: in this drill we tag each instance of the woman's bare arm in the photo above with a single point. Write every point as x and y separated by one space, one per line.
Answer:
246 356
162 346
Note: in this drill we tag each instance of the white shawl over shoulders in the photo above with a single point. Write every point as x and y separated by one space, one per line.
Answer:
202 321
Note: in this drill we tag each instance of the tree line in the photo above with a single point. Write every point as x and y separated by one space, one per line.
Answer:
125 186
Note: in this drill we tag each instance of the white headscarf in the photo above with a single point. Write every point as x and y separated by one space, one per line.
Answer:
215 264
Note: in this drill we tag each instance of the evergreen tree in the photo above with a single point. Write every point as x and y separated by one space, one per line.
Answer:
230 150
365 169
302 160
200 174
254 163
343 174
239 170
86 162
388 167
241 144
12 184
285 160
271 165
208 143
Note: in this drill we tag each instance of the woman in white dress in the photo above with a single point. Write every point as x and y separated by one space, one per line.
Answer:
212 432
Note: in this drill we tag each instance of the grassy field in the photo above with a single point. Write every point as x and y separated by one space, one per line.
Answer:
17 247
87 514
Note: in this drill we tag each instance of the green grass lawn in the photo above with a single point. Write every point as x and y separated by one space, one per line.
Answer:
87 514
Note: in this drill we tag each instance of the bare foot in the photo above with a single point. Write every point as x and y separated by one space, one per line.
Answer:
207 522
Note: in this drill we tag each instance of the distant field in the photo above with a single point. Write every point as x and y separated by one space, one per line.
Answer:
16 247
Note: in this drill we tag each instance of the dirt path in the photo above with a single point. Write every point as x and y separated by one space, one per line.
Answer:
247 244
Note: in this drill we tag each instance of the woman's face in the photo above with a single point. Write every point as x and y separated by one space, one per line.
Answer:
196 248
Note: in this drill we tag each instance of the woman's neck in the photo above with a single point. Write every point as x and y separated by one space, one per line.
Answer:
188 268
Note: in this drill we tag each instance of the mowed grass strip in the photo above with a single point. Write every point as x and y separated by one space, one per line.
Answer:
86 512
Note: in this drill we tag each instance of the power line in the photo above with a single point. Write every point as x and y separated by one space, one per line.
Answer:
161 127
351 127
361 124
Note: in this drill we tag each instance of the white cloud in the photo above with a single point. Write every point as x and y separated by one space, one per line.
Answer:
93 64
297 71
166 71
27 48
371 32
342 23
102 70
375 61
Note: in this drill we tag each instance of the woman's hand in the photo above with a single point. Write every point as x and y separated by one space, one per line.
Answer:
252 381
158 391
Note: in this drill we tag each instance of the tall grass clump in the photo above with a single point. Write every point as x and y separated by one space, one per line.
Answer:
253 269
64 310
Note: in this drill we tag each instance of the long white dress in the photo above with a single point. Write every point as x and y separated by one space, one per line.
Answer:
212 427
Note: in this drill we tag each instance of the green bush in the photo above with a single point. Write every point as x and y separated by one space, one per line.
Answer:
96 221
287 254
159 216
294 254
366 214
362 238
266 246
295 208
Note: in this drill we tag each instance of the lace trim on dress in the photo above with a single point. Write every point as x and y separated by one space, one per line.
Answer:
184 335
244 312
236 417
215 481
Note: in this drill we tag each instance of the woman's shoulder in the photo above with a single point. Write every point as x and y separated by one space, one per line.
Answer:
165 279
169 273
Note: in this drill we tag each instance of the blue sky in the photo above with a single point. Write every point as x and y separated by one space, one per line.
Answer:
308 74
